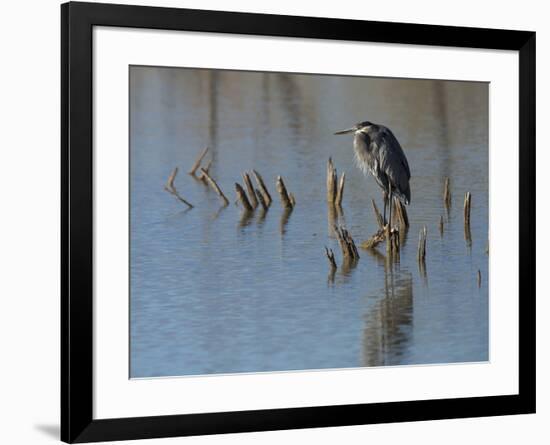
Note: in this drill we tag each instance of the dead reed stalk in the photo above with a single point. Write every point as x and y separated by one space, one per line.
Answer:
340 190
261 200
250 189
330 255
292 199
404 214
347 245
241 195
401 214
392 242
467 206
283 193
171 178
332 179
263 189
378 216
374 240
171 188
422 244
214 186
198 161
207 168
447 193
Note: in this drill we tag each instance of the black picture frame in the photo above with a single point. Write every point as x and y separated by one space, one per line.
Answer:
77 22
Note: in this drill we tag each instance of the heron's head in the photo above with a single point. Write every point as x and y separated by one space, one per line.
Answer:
361 126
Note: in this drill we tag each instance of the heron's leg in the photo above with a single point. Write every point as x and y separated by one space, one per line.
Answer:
390 202
385 198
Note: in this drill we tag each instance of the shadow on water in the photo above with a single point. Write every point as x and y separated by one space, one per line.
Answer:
388 326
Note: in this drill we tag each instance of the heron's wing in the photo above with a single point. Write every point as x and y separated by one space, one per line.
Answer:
394 162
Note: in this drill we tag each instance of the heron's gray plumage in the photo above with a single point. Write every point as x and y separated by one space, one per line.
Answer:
378 151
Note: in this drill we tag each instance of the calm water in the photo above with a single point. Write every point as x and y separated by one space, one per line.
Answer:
213 291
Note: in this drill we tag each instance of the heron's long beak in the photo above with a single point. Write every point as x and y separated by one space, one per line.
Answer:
349 130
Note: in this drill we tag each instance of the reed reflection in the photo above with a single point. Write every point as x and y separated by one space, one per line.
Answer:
246 218
285 215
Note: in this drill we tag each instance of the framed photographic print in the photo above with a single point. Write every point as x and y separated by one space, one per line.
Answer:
275 222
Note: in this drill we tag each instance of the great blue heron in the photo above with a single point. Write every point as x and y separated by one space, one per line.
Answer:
378 151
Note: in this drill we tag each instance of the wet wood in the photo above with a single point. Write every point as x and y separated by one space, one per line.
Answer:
400 214
198 161
333 222
171 188
243 199
378 216
262 188
467 207
215 186
392 243
331 182
340 190
330 255
250 189
207 168
421 255
347 245
261 200
402 211
170 182
374 240
447 193
292 199
283 193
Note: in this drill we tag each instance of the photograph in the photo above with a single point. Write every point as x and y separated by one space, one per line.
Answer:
287 222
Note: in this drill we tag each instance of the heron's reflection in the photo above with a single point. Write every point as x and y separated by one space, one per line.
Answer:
388 325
